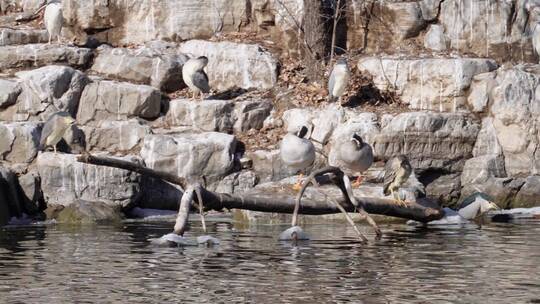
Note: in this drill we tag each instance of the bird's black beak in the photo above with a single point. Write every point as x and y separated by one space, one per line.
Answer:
302 132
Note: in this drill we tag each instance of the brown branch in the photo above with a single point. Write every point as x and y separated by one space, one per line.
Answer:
276 200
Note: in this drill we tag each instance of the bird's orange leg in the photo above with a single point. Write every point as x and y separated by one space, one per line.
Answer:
298 185
358 181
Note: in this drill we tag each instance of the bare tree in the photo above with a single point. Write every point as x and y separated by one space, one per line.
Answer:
315 39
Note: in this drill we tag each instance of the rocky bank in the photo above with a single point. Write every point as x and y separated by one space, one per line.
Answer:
464 72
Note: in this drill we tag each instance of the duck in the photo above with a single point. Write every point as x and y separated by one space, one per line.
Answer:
297 152
354 155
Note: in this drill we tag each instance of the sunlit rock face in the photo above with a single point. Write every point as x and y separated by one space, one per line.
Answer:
19 141
437 84
45 91
191 155
37 55
9 91
112 100
231 65
513 102
128 22
116 136
158 67
64 180
22 36
218 115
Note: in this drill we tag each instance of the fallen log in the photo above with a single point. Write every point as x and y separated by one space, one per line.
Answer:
277 200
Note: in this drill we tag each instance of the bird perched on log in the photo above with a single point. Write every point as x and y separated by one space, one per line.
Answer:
297 152
54 129
53 18
194 76
338 80
354 155
397 172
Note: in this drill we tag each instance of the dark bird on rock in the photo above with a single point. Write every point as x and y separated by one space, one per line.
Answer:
54 129
397 172
194 76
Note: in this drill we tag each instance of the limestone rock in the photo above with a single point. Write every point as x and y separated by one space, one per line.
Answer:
529 194
479 169
22 36
491 29
161 69
112 100
237 182
191 155
45 91
438 84
9 91
85 212
268 165
37 55
321 122
445 189
230 65
116 136
64 181
31 195
9 197
435 39
501 190
218 115
135 22
19 141
432 141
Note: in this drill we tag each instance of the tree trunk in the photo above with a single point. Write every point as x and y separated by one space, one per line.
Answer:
276 200
315 39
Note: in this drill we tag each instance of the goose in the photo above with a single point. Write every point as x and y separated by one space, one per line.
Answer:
194 76
396 173
297 152
354 155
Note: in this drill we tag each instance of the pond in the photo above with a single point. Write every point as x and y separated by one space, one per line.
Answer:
498 262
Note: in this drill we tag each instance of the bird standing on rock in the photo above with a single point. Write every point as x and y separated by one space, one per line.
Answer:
54 129
355 155
53 19
338 80
297 152
397 172
194 76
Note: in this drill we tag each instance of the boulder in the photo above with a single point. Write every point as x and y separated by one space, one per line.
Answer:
84 212
38 55
45 91
501 190
112 100
529 194
9 91
445 189
237 182
158 194
116 136
30 192
235 65
161 69
22 36
512 100
268 166
321 122
9 198
64 181
438 84
479 169
19 141
218 115
432 141
191 155
435 39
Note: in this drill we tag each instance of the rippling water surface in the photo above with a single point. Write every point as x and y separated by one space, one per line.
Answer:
497 263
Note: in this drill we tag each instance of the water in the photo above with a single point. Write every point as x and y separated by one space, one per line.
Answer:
497 263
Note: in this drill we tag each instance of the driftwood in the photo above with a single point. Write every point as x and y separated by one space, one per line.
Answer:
279 202
266 201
